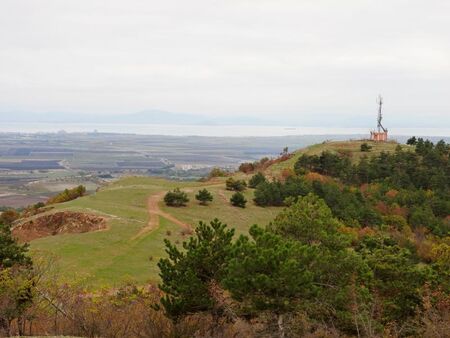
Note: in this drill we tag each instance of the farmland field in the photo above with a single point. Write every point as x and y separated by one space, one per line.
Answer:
35 166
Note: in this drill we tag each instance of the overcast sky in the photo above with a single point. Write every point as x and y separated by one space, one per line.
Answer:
256 58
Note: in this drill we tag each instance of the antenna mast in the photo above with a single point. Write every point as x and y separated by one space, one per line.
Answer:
380 116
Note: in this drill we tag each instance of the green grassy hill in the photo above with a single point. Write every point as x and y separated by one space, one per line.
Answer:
124 252
118 254
352 148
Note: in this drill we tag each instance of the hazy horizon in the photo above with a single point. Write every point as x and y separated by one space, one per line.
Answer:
285 62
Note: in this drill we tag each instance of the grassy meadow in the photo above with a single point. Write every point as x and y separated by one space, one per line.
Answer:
116 255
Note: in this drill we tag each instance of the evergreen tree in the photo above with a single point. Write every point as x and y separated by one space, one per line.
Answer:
310 221
256 179
238 200
411 141
176 198
12 253
186 274
397 279
235 185
268 272
204 196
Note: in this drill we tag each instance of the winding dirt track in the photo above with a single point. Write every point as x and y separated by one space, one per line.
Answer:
155 212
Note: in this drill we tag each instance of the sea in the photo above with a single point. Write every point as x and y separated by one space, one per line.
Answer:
208 130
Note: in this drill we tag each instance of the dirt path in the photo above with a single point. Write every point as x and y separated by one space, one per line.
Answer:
155 212
222 196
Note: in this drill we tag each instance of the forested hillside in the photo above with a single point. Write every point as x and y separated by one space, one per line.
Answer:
338 244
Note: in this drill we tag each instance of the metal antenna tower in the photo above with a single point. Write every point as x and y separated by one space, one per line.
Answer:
380 116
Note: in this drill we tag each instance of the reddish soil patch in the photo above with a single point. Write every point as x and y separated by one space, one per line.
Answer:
58 223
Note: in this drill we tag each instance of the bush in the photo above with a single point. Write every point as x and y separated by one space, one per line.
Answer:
68 195
217 172
246 167
235 185
176 198
365 147
204 196
9 216
238 200
256 180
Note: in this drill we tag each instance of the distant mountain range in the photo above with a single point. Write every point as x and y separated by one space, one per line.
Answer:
147 116
155 116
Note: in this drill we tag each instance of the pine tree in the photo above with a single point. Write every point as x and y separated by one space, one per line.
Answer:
11 253
256 180
204 196
187 274
238 200
176 198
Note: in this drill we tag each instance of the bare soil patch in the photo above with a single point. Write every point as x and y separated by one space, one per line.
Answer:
65 222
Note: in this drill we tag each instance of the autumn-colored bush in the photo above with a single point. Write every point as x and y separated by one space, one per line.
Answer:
8 217
217 172
391 193
68 195
247 167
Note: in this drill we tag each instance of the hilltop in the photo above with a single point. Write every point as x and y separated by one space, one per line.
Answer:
352 149
138 220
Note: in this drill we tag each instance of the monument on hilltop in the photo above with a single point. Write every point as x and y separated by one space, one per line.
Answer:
381 134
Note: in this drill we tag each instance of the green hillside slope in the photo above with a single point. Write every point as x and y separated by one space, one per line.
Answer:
127 252
118 254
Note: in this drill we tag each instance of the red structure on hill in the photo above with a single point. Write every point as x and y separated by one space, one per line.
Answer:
381 134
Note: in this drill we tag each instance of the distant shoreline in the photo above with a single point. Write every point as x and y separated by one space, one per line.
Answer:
209 130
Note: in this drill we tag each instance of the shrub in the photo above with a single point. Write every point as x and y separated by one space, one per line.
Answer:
9 216
176 198
217 172
238 200
365 147
256 179
246 167
68 195
204 196
235 185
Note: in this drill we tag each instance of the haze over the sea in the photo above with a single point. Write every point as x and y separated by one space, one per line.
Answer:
209 130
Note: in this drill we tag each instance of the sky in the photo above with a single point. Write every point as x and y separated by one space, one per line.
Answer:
300 60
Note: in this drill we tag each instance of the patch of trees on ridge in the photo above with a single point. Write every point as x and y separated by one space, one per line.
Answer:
68 195
411 186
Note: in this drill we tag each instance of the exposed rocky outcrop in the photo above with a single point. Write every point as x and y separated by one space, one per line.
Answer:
57 223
